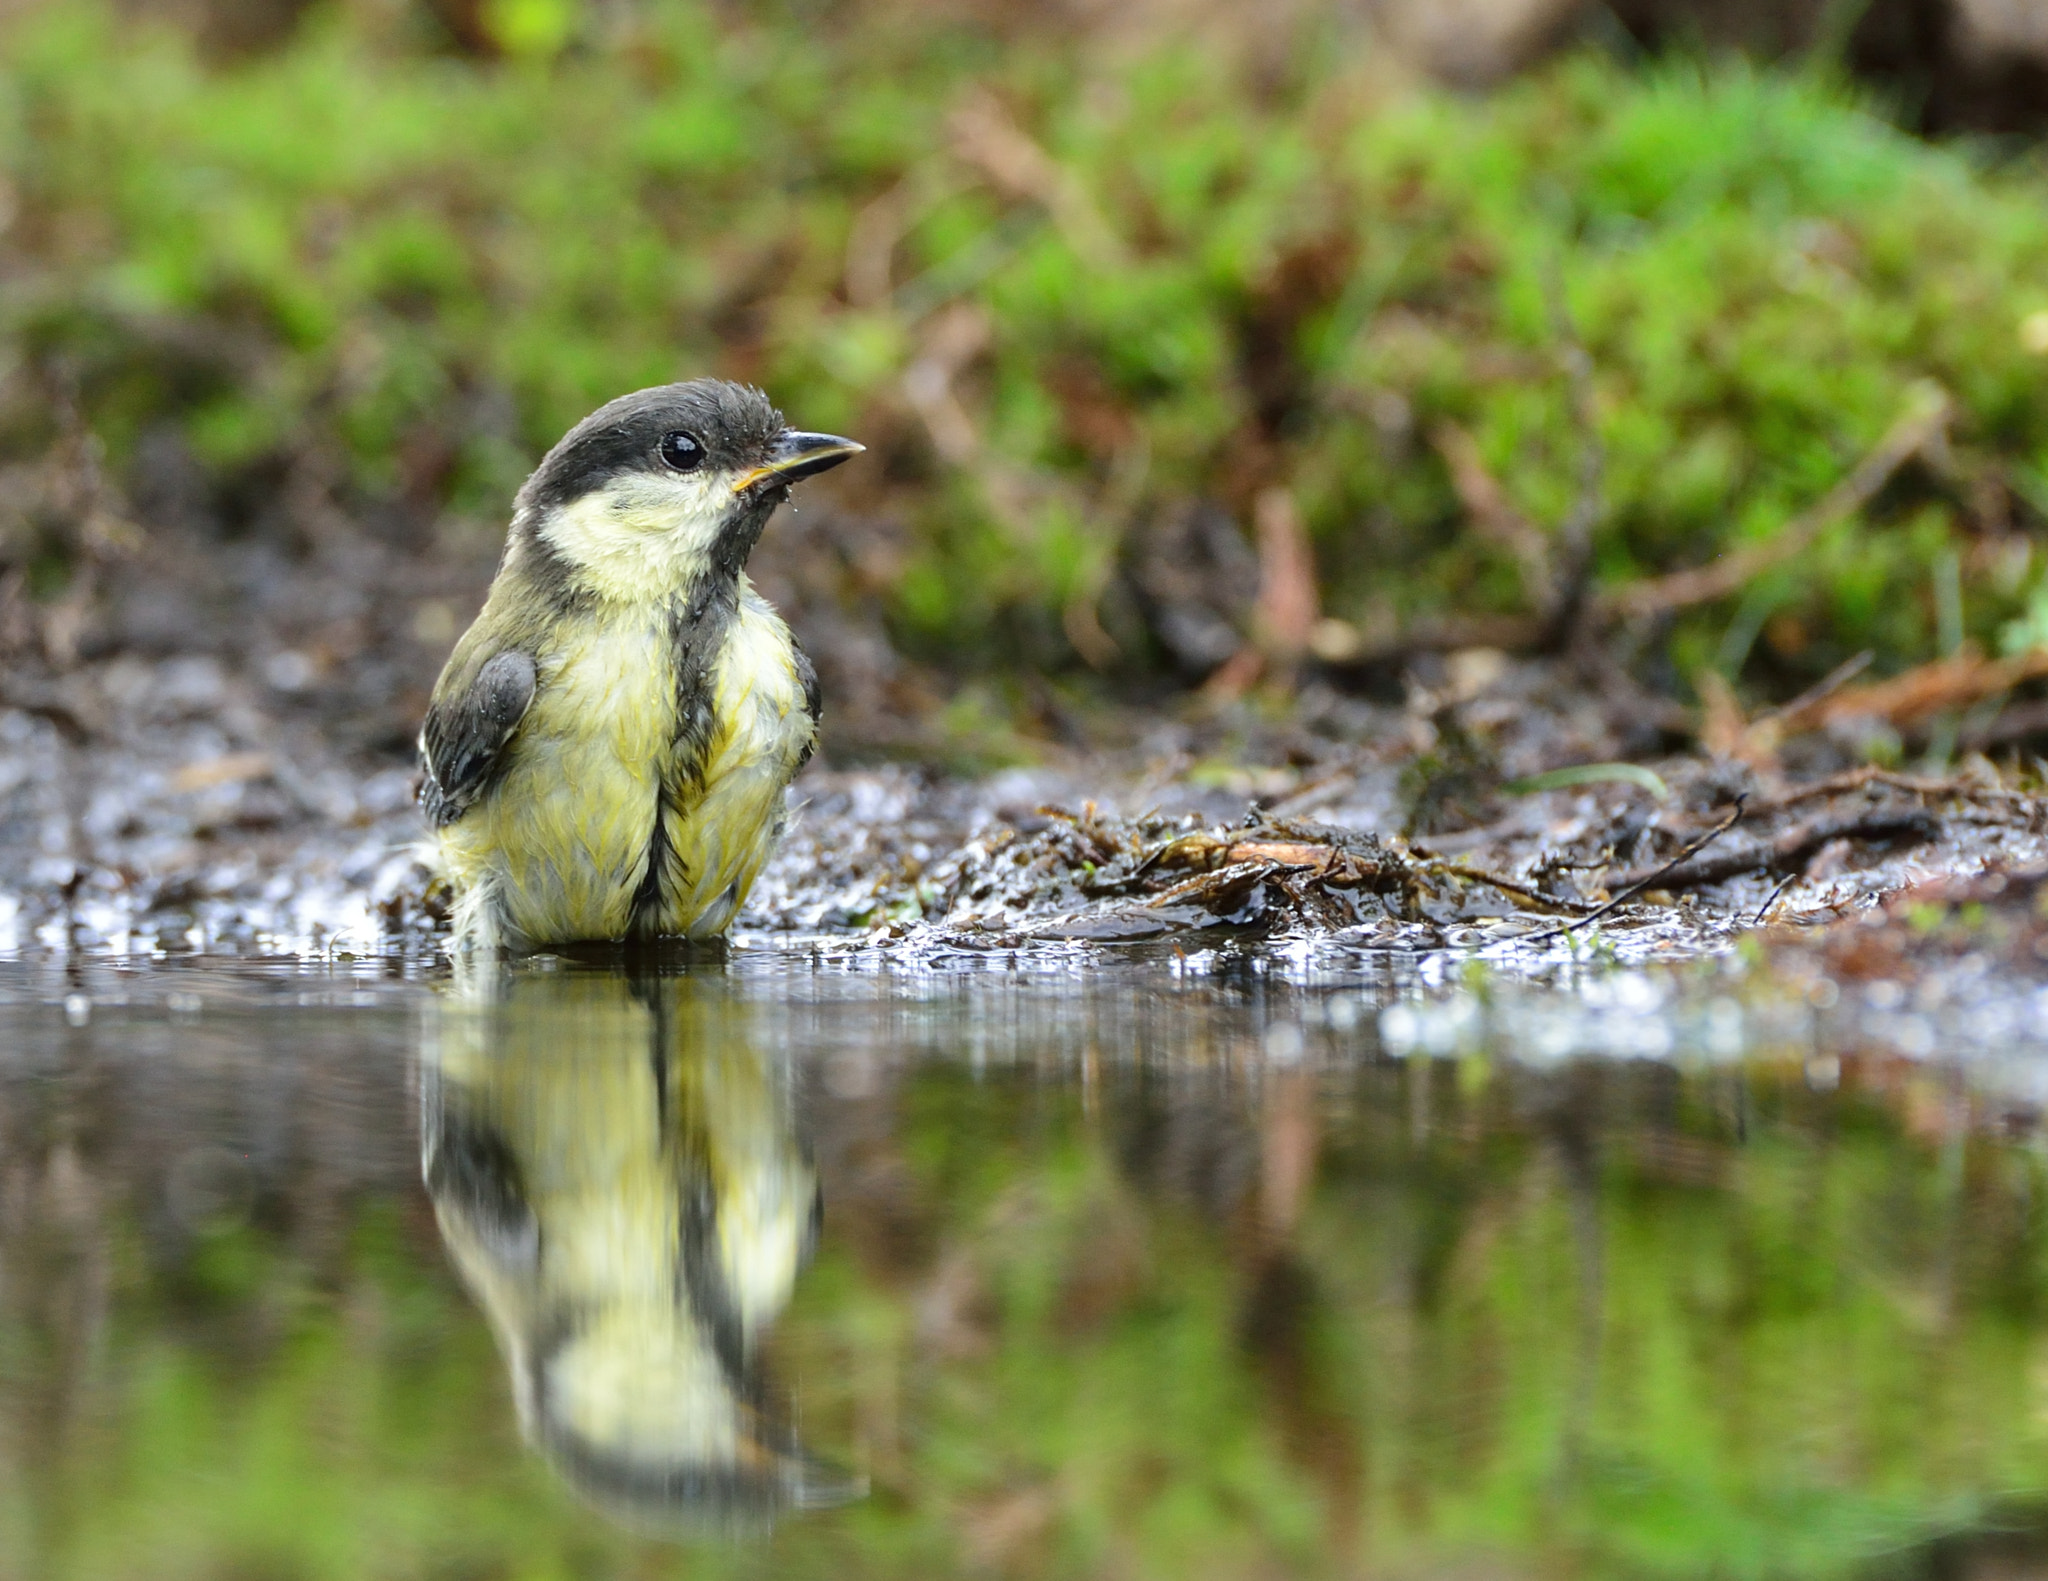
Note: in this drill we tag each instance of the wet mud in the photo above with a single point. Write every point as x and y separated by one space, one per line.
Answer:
1523 820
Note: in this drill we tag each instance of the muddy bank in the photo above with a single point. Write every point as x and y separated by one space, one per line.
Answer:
195 804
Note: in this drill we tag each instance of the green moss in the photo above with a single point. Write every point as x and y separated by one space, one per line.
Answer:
358 247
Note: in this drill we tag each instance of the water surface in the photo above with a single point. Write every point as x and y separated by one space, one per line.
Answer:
785 1266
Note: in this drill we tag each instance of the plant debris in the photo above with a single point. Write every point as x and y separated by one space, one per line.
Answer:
1818 852
186 806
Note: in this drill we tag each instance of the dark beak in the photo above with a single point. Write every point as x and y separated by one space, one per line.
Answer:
799 455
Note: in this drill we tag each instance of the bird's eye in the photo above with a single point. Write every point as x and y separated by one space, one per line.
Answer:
680 452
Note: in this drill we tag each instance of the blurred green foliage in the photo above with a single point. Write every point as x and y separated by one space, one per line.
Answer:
1599 1324
1057 284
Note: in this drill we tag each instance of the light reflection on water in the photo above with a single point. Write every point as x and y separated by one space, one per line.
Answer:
767 1268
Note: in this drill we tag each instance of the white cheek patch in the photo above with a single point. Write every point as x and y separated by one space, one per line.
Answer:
641 534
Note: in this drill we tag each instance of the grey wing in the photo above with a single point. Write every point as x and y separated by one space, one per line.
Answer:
462 744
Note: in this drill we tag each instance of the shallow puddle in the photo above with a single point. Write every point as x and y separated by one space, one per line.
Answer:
806 1267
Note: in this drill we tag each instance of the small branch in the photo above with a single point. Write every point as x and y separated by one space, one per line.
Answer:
1955 682
1792 848
1285 612
1284 609
1222 882
1837 678
1572 582
1913 784
1927 690
1081 620
871 246
1493 515
950 341
1649 881
1920 428
985 136
1508 886
1556 578
1722 730
1771 900
1514 633
2013 722
1923 422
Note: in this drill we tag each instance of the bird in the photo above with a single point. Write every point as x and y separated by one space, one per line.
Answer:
606 753
616 1169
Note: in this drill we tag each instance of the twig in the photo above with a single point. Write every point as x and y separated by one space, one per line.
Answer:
1914 784
1572 581
1723 730
1795 845
2013 722
1537 897
1771 900
1493 515
1557 580
1285 610
1649 880
985 136
1955 682
1513 633
950 341
1927 414
871 246
1216 883
1837 678
1920 427
1315 793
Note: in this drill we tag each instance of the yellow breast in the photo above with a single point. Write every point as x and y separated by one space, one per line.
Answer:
720 839
559 848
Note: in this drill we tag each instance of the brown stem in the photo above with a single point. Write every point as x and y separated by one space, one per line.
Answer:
1926 417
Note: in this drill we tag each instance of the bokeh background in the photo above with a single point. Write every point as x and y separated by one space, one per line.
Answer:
1195 344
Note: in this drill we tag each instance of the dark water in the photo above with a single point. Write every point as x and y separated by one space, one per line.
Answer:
779 1269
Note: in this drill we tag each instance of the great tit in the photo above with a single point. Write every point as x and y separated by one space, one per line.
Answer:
617 1173
607 750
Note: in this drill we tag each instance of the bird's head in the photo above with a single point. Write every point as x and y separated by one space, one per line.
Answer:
659 488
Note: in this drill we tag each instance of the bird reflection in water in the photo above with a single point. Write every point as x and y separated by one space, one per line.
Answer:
614 1164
